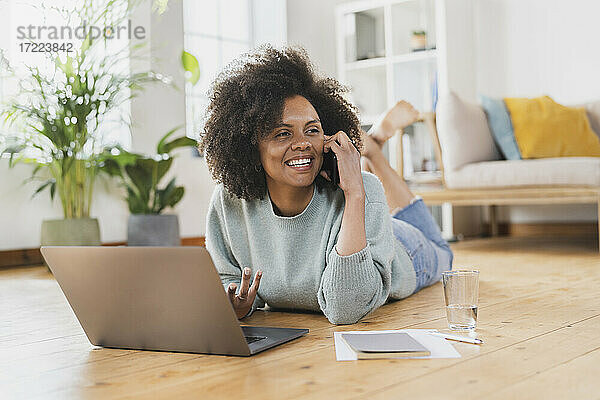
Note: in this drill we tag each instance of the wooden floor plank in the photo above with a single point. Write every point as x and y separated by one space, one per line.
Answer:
489 373
558 382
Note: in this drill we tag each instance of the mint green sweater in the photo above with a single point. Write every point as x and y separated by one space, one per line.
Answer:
301 268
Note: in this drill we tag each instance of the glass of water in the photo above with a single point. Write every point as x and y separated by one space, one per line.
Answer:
461 290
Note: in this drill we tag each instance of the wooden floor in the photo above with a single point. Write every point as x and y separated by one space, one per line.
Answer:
539 316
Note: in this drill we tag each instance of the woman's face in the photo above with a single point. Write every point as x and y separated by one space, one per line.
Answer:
292 154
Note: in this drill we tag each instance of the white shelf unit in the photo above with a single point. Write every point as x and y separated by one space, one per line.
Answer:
375 59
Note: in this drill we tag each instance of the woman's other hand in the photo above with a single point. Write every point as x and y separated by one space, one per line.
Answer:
348 160
242 302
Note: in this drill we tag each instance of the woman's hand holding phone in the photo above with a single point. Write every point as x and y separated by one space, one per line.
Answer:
242 302
348 161
352 236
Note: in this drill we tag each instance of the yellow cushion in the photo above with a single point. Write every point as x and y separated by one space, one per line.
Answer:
544 128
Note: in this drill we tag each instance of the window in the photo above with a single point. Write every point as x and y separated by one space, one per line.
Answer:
24 23
218 31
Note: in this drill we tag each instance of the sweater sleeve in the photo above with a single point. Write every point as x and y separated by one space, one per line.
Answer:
218 244
353 286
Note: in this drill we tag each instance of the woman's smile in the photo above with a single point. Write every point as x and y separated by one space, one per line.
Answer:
301 163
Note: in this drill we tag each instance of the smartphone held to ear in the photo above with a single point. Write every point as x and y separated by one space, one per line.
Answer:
330 166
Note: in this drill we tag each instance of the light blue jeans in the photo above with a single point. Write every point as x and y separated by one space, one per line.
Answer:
416 229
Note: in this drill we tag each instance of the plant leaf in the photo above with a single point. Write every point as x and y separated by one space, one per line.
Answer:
162 194
115 163
140 174
85 45
44 185
125 158
170 200
66 67
14 152
160 6
135 203
191 65
163 167
176 196
160 147
36 170
111 167
183 141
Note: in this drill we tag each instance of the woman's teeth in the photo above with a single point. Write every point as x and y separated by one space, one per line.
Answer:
299 163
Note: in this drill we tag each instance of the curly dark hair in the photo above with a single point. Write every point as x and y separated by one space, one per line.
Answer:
246 103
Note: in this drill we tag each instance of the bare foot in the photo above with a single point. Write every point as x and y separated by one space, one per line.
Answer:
370 146
401 115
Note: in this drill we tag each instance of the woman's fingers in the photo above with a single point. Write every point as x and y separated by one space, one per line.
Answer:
348 160
342 138
231 292
327 143
334 146
256 283
248 292
339 138
245 284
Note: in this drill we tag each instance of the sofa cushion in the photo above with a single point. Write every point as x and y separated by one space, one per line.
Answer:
593 113
543 171
463 133
501 127
544 128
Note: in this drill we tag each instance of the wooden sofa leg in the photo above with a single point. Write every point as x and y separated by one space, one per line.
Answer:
494 220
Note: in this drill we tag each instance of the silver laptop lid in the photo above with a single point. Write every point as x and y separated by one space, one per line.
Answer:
148 298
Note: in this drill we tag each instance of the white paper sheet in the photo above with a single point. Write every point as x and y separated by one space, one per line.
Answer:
438 346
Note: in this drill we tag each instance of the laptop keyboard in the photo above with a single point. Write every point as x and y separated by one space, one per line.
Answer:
252 339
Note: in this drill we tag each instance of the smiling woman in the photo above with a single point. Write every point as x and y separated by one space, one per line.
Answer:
315 245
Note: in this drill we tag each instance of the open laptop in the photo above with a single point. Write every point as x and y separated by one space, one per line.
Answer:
155 298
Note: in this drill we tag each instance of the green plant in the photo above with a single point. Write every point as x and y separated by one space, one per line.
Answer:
141 175
419 33
191 66
59 115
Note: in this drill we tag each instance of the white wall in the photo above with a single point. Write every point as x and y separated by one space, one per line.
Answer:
311 24
537 47
533 47
269 22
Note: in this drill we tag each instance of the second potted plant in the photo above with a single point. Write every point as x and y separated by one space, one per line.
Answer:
141 176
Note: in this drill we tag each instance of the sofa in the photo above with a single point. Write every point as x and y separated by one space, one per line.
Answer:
474 172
